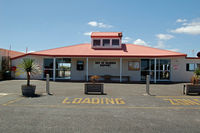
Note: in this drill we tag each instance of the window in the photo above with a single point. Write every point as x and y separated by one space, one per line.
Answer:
96 42
48 67
190 67
48 63
162 69
133 65
106 42
63 68
80 65
198 66
115 42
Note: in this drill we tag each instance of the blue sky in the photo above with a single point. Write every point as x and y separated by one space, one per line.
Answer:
44 24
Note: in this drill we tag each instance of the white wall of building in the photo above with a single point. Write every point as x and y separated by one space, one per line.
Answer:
178 69
75 74
22 75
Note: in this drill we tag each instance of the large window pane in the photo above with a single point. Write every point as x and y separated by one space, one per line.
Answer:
106 42
152 75
152 64
145 64
96 42
61 63
48 63
63 74
144 74
50 72
162 69
63 68
115 42
165 75
164 65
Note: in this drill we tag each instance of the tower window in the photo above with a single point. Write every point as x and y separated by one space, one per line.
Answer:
96 42
106 42
115 42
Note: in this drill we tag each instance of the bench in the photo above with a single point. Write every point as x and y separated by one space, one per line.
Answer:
108 78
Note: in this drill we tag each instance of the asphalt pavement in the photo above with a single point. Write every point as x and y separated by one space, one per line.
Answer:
125 108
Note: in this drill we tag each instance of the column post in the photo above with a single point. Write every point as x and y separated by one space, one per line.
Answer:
155 70
54 69
87 69
120 71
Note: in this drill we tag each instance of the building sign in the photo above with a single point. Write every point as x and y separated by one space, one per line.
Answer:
133 65
105 63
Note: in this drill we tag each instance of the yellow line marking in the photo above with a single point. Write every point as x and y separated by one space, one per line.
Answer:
108 107
93 100
12 101
183 101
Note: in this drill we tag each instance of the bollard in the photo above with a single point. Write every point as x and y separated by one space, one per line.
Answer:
147 84
47 84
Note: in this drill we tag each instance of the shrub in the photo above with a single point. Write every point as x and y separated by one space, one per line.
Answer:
197 72
94 78
195 80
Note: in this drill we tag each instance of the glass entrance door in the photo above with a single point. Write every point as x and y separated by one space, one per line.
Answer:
63 68
162 69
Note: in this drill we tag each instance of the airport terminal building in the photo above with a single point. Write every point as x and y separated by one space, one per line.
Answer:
114 61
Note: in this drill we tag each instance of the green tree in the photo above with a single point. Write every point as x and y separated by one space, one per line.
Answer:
30 67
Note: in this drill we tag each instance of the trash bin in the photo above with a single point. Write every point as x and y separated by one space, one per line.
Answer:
7 75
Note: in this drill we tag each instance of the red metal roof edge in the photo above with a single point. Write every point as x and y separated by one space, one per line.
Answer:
106 37
105 34
12 52
192 57
99 56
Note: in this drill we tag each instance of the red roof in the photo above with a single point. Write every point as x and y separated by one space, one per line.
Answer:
11 53
128 50
106 34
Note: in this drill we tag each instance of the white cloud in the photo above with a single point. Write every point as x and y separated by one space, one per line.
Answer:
160 45
192 28
140 42
99 24
93 23
174 49
87 33
126 39
181 20
164 36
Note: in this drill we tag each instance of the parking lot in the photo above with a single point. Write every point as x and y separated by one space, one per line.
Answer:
123 108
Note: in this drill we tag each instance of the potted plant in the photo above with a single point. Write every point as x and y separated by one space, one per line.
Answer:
94 86
29 66
194 87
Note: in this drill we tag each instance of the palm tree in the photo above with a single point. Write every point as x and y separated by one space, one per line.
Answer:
30 67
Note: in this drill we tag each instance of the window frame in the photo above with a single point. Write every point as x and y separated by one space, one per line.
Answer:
96 40
115 45
107 40
188 66
47 69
